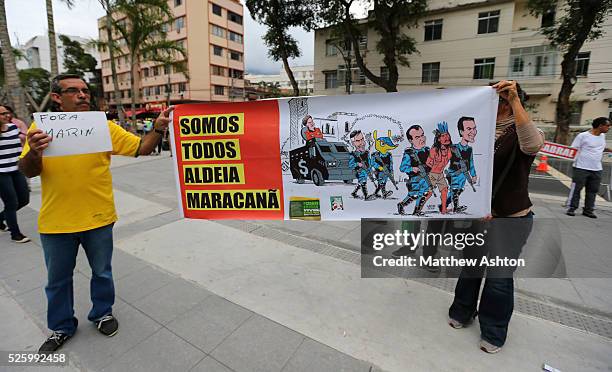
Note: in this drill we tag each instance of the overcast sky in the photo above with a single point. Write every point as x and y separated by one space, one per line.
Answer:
27 18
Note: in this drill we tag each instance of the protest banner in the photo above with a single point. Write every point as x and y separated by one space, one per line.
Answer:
426 154
558 150
75 132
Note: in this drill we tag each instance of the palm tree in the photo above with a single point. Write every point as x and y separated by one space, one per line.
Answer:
13 86
108 8
144 35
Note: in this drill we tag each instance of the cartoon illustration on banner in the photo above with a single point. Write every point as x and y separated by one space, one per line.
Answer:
385 162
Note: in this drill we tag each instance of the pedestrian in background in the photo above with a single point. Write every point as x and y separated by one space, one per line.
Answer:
23 127
517 141
587 167
14 190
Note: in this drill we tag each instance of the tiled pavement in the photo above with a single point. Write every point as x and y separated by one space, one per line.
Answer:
166 323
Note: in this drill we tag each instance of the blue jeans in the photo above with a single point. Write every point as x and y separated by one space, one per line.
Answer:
60 257
15 195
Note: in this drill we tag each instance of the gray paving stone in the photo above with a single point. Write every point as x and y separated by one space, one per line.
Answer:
96 351
171 300
15 264
314 356
163 351
26 281
210 322
258 345
209 364
125 264
140 283
33 301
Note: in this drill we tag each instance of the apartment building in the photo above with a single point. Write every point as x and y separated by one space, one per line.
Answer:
212 33
304 76
468 43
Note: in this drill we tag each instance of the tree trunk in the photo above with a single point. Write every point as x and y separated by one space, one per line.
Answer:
133 72
52 44
563 112
294 84
13 85
111 52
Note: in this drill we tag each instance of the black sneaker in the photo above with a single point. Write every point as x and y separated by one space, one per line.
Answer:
3 226
589 214
108 325
570 212
20 238
54 342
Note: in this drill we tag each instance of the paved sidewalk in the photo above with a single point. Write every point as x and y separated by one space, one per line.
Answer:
202 295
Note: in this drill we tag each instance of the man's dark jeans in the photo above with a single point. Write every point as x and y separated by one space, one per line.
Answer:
497 298
588 179
60 257
15 195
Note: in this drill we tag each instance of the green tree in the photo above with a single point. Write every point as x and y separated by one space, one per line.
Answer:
35 82
110 45
18 54
76 60
143 30
390 19
279 16
581 21
11 81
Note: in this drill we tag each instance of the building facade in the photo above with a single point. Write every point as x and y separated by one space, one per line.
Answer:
37 54
212 33
304 76
469 43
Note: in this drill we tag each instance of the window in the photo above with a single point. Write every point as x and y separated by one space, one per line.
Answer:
330 48
236 56
532 61
361 78
575 112
166 69
363 41
219 90
155 71
236 74
106 79
237 38
484 68
218 70
517 64
158 90
145 92
582 63
180 23
178 2
217 50
216 9
236 18
146 72
331 79
488 22
431 72
182 87
433 30
548 18
218 31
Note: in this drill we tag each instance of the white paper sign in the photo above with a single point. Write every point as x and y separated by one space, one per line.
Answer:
75 132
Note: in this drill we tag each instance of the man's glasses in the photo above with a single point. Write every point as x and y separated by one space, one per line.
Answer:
74 91
5 113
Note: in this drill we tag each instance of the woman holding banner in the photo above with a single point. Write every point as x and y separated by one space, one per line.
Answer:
517 140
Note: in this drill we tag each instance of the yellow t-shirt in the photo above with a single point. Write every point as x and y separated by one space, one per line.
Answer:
77 190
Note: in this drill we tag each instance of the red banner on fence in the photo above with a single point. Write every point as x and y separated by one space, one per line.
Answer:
558 150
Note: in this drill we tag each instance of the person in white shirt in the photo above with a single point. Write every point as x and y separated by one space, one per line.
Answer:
587 166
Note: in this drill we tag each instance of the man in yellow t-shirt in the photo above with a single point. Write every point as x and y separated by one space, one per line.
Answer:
78 209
